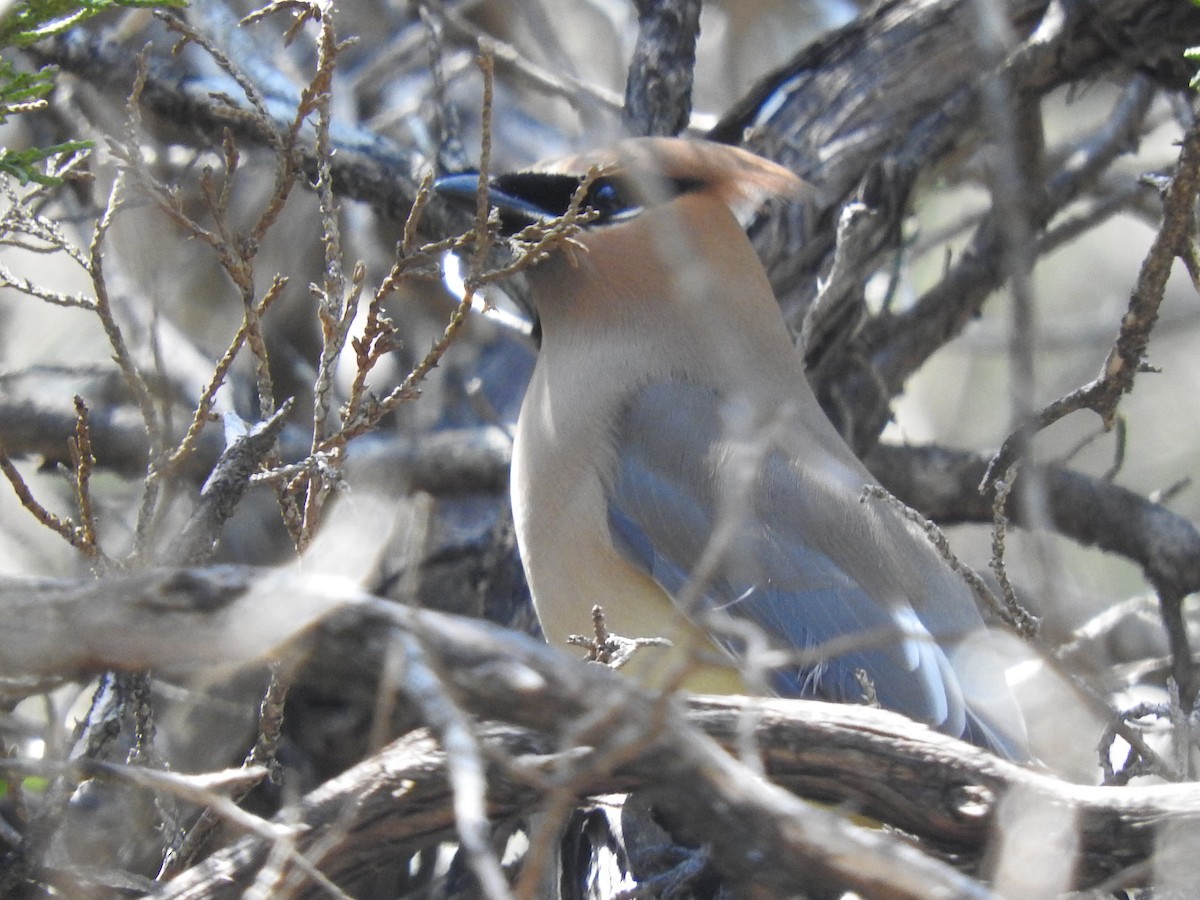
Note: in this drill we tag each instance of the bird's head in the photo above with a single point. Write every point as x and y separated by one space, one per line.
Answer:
624 180
665 236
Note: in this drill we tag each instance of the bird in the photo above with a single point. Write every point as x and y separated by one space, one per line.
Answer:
672 466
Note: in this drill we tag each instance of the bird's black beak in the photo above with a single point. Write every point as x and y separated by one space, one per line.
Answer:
516 212
522 198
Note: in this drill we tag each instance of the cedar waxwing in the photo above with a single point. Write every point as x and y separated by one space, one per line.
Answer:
672 465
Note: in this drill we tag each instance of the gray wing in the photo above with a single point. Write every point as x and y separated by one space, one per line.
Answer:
808 562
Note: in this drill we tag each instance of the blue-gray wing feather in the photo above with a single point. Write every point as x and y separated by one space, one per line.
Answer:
808 562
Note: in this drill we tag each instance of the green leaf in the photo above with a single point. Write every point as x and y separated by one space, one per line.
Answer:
33 20
17 88
26 22
33 783
28 165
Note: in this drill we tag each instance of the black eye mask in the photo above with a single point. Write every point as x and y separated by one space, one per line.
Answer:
525 198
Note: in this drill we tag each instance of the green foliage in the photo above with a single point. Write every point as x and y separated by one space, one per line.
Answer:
26 22
34 783
32 20
19 88
26 165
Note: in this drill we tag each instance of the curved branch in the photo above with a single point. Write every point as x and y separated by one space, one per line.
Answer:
947 792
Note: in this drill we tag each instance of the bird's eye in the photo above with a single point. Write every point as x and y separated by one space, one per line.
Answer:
605 197
608 199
